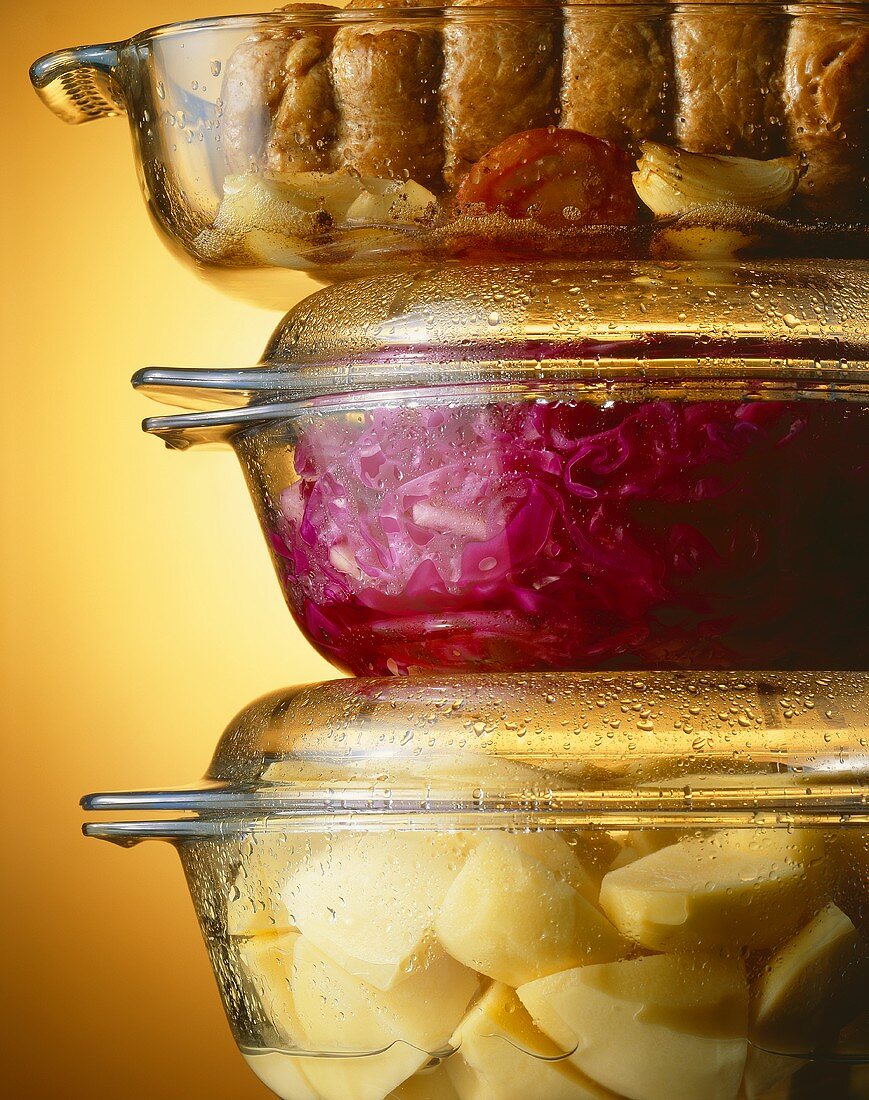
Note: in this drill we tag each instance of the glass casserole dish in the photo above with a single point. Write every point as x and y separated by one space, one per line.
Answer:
646 887
353 142
486 469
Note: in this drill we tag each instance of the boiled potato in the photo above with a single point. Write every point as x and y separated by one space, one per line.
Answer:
268 962
255 903
663 1027
371 899
509 917
283 1074
503 1056
441 771
815 983
637 843
559 857
428 1085
274 249
402 203
255 202
849 871
763 1071
736 888
339 1012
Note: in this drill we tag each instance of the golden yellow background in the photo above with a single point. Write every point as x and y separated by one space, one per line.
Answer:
139 609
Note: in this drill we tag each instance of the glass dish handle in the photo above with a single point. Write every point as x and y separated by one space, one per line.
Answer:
81 84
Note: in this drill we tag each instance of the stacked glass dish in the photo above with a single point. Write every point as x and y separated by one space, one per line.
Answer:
569 469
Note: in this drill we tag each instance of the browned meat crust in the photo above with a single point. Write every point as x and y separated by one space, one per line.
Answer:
386 83
304 126
497 81
826 81
615 74
728 70
278 100
252 90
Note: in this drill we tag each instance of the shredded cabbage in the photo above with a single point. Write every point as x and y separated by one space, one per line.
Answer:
566 535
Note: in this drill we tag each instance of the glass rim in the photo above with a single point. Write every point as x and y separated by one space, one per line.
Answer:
210 424
822 806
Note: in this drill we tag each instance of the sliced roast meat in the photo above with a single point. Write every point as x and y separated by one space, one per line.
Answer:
728 80
616 73
826 81
497 80
277 99
252 90
304 126
386 81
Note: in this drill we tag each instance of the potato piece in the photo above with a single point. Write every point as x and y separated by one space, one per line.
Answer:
664 1027
503 1056
444 771
849 849
559 857
642 842
813 985
274 250
509 917
400 203
370 902
427 1085
340 1013
268 961
763 1071
282 1073
736 888
255 903
252 202
703 242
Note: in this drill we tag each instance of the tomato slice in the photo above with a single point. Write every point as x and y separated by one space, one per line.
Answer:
553 176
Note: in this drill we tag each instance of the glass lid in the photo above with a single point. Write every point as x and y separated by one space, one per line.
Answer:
550 322
475 750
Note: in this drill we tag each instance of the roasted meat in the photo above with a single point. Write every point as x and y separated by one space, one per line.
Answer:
498 80
826 81
728 77
278 106
615 74
386 81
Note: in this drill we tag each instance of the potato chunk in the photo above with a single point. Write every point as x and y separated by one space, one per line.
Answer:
268 962
509 917
255 904
503 1056
340 1013
428 1085
812 986
283 1074
559 857
664 1027
371 900
737 888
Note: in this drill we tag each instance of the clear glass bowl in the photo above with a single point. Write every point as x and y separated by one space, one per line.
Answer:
485 472
652 887
352 142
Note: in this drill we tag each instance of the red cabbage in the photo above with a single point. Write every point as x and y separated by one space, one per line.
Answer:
562 535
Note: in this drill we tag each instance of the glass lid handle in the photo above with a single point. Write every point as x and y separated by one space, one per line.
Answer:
81 84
